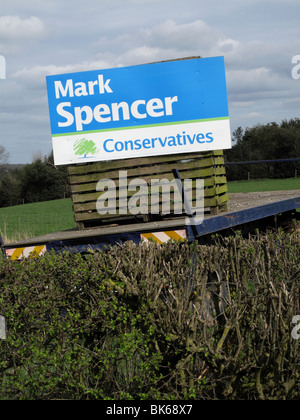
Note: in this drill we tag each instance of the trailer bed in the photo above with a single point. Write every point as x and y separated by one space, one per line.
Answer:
243 208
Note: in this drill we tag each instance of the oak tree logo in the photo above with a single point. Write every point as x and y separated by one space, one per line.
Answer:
85 148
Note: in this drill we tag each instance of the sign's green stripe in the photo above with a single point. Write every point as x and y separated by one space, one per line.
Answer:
139 126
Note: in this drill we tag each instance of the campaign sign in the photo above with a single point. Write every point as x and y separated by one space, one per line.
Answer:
146 110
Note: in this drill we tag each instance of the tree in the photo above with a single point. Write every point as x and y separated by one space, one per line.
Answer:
237 135
39 181
265 142
3 155
10 190
43 181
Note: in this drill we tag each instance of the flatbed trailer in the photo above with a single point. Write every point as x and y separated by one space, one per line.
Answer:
245 211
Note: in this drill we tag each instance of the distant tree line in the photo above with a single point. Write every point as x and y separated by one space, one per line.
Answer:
39 181
265 142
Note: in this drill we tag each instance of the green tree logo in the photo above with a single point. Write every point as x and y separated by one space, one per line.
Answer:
84 147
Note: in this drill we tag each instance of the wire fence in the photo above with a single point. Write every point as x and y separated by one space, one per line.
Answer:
254 169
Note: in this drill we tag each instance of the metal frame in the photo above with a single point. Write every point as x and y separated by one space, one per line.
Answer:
102 238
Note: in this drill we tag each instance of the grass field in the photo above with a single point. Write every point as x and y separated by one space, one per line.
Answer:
36 219
264 185
19 222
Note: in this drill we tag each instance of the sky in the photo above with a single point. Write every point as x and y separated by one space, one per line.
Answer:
258 39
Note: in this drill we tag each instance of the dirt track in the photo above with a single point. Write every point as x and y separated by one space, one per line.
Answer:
241 201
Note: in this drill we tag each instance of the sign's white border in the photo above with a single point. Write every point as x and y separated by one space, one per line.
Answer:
143 142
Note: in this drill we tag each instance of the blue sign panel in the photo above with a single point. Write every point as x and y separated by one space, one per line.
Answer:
123 112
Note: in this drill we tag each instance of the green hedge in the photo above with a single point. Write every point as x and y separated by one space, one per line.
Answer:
177 321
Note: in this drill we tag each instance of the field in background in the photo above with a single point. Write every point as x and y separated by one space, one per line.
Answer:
264 185
19 222
28 220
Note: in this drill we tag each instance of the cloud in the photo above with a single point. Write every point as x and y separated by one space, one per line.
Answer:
253 69
35 77
15 32
50 37
14 27
248 82
186 36
147 54
256 70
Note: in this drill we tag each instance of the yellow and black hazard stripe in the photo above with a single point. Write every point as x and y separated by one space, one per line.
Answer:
163 237
24 252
